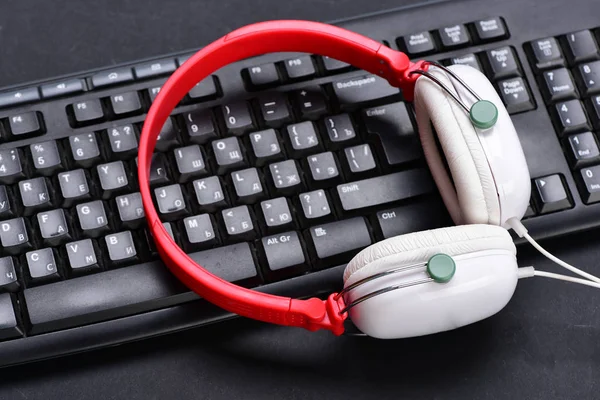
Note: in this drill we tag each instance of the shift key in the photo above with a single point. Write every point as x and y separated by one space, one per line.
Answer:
362 89
384 189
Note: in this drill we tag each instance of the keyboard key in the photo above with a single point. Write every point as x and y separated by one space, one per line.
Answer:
515 95
285 177
276 215
247 186
84 149
590 189
130 209
11 168
303 139
337 242
8 275
53 227
360 89
299 67
155 68
384 189
490 29
46 157
26 124
262 75
588 78
200 231
190 162
594 107
323 168
228 154
232 263
340 130
558 85
209 193
579 47
454 36
73 186
42 266
394 131
331 65
359 158
112 77
546 53
121 248
35 194
92 218
158 169
502 63
113 178
13 236
170 200
108 295
284 254
584 149
7 207
238 223
401 220
123 140
153 92
570 117
82 256
311 102
126 104
9 327
550 194
468 59
204 90
21 96
62 88
315 205
237 117
265 147
200 126
417 43
87 112
274 109
167 138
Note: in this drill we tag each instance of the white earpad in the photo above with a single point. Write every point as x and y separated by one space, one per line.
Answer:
420 246
484 281
490 179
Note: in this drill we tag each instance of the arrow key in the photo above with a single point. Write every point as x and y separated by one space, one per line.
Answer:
588 78
550 194
570 117
515 95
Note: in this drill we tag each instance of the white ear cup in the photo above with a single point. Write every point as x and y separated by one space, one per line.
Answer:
490 179
485 280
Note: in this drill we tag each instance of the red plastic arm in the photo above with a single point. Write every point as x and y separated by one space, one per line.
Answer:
250 41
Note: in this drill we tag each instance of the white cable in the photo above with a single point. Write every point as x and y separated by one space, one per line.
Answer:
566 278
522 232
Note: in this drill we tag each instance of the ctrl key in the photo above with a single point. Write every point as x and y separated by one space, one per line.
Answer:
550 194
590 188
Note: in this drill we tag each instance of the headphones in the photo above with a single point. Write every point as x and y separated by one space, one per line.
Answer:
410 285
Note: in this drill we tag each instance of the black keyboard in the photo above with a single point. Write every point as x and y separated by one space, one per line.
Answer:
273 173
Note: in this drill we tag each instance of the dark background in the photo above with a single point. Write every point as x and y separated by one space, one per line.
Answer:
543 345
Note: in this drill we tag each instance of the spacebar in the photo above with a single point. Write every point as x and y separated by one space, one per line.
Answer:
125 291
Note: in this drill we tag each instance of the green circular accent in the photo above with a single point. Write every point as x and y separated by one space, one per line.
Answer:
441 268
483 114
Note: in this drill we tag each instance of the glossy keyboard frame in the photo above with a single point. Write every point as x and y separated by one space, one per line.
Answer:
540 142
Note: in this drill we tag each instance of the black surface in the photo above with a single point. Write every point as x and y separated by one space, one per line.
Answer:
544 345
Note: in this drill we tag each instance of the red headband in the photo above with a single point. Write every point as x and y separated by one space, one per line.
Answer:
254 40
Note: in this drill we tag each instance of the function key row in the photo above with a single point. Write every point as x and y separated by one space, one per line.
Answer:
290 70
454 36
